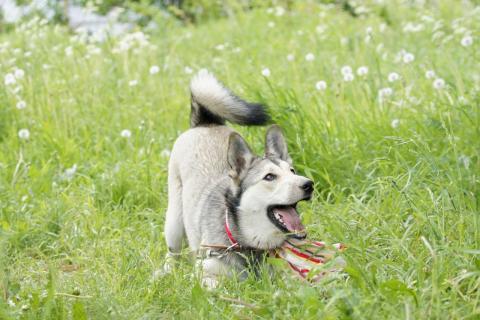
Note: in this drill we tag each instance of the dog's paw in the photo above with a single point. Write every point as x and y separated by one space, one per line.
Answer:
210 283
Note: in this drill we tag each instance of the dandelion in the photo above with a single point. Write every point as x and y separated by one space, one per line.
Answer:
24 134
21 105
266 72
132 83
9 79
463 159
321 85
346 70
395 123
290 57
19 73
70 172
348 77
466 41
408 57
439 83
154 69
68 51
165 153
279 11
385 92
430 74
393 76
309 57
126 133
362 71
188 70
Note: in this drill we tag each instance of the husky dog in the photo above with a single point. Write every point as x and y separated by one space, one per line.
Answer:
220 194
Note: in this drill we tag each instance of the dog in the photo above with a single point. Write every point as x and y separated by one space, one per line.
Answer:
222 196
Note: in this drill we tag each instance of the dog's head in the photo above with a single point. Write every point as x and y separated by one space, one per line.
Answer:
265 192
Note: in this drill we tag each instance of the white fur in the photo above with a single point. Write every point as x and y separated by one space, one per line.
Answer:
208 91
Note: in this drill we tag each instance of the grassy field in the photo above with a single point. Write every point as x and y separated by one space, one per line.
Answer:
86 129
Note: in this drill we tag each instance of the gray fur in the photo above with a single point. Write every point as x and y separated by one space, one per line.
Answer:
211 171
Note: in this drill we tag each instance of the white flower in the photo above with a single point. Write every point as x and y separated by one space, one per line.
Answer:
271 24
393 76
68 51
9 79
362 71
309 57
188 70
11 303
321 85
165 153
132 83
220 47
154 69
24 134
279 11
266 72
439 83
21 105
70 172
19 73
290 57
395 123
346 70
348 77
126 133
466 41
408 57
430 74
385 92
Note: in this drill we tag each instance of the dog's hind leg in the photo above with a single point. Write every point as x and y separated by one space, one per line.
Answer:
174 228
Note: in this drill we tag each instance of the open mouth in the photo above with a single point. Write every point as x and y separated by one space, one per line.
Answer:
286 218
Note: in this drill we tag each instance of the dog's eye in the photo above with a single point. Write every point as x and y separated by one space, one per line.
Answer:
293 171
270 177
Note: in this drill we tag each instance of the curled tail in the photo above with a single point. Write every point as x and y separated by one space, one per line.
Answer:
212 103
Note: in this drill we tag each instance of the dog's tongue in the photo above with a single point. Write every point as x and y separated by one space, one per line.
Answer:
291 219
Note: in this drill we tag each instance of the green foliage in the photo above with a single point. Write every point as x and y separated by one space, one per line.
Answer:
82 205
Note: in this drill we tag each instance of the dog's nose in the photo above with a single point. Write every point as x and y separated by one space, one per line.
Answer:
307 186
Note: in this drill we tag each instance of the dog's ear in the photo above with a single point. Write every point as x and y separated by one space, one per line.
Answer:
239 154
275 144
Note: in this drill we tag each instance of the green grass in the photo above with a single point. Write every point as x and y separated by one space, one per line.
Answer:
403 198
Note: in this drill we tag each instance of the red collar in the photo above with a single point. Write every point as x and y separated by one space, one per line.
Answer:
228 231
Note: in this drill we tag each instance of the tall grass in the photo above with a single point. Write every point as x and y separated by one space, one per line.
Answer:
82 206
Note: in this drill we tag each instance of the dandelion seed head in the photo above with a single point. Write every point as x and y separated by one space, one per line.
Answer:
385 92
439 83
24 134
408 57
126 133
393 76
395 123
348 77
346 70
266 72
19 73
362 71
21 105
188 70
271 24
154 69
430 74
9 79
310 57
466 41
321 85
290 57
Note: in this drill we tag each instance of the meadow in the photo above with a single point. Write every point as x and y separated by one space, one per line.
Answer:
381 110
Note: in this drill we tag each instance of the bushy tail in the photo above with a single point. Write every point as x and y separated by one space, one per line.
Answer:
212 103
